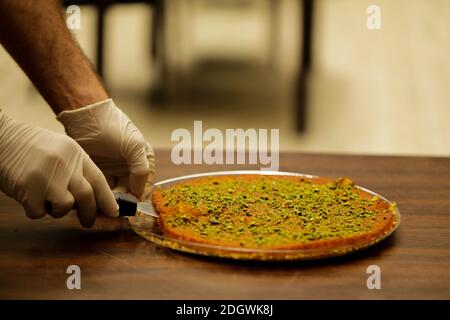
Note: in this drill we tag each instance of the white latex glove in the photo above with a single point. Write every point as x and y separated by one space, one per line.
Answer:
50 173
114 143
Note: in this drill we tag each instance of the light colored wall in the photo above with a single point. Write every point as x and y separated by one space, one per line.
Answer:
381 92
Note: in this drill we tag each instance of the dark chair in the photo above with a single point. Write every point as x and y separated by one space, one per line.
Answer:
102 7
157 30
305 66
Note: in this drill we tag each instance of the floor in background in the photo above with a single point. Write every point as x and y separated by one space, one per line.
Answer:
378 92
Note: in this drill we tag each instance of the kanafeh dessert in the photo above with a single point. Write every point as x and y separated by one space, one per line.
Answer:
272 212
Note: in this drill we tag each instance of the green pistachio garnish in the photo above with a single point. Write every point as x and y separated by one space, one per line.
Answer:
264 211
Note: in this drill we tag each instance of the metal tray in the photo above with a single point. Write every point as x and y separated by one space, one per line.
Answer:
147 227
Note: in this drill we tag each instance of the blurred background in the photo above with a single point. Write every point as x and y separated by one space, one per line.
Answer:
311 68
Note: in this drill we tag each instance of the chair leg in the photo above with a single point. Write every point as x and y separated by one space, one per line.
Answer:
157 29
101 8
307 33
158 93
301 98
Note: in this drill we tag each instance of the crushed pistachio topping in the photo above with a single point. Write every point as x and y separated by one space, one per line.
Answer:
269 211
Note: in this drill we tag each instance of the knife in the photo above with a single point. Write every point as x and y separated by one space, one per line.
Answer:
129 205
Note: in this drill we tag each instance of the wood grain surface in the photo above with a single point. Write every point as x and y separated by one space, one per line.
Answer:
117 264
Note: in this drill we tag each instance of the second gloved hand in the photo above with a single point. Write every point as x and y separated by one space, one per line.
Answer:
50 173
114 143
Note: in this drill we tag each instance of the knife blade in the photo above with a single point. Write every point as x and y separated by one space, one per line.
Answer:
129 205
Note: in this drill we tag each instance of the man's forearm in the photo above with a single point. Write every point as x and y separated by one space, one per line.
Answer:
36 36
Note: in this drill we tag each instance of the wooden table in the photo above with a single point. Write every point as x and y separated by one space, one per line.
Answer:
116 263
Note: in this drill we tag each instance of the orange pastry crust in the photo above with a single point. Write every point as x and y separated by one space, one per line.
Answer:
272 212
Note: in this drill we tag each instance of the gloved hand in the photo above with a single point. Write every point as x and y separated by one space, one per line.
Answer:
40 167
114 143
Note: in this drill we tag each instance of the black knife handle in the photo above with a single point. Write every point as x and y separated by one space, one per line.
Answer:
127 204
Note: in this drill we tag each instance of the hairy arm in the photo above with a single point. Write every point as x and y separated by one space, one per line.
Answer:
36 36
